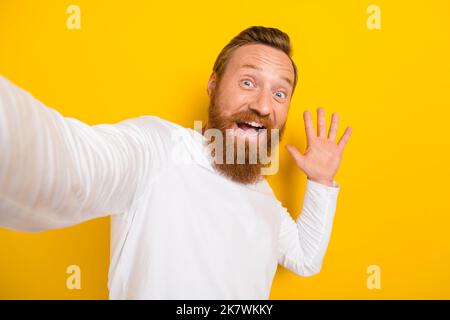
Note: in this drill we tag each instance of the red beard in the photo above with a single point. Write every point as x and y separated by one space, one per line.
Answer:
250 171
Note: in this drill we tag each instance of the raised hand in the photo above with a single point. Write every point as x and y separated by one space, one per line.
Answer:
322 156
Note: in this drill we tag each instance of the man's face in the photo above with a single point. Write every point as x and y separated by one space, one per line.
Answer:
253 94
258 80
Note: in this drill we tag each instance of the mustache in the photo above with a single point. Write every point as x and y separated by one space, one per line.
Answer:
250 116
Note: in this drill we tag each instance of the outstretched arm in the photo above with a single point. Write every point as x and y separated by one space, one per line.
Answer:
57 171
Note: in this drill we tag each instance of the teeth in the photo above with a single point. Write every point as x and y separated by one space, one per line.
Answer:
255 124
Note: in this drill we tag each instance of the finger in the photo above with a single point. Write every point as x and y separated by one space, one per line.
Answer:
333 127
298 157
321 126
343 141
309 126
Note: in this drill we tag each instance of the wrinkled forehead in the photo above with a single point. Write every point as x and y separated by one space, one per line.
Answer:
263 58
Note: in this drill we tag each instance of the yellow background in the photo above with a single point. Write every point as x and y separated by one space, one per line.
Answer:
154 57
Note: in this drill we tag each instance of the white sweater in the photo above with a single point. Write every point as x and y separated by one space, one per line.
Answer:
180 230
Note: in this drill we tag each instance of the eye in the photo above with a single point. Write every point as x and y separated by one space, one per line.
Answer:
247 83
281 94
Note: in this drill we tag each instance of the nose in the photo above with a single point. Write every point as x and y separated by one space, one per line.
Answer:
262 104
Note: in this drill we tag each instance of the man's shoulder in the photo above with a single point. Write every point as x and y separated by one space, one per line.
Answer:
149 122
170 138
157 128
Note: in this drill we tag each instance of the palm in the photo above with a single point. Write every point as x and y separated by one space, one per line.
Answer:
322 156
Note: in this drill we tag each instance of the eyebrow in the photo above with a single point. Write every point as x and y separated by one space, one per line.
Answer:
251 66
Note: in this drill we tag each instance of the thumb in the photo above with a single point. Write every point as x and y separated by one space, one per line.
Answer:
298 157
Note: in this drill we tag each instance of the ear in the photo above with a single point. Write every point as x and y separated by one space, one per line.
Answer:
212 82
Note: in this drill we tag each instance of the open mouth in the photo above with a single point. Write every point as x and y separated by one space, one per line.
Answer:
250 125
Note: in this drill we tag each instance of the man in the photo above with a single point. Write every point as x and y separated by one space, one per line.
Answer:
197 229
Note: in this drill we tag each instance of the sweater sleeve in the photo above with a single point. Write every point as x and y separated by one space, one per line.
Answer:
57 171
303 243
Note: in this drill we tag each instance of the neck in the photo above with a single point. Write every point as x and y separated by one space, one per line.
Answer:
204 128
